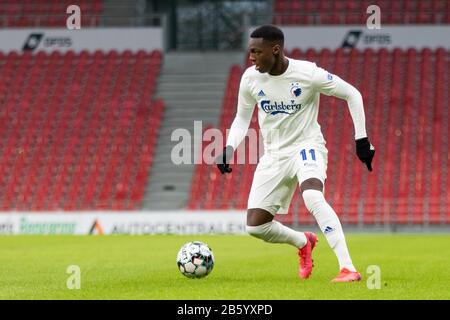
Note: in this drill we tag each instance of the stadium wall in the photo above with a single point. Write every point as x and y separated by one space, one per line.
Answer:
179 222
123 222
63 40
360 37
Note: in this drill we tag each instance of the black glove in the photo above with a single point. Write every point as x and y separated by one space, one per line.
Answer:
365 151
223 160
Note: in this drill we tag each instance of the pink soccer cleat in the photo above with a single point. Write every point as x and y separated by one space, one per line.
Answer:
346 275
305 254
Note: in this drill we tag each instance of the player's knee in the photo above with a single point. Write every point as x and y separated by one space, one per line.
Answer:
313 199
260 231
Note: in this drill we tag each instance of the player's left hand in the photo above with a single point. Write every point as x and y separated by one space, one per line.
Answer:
223 160
365 151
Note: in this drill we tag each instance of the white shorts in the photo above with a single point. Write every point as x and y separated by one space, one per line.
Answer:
276 179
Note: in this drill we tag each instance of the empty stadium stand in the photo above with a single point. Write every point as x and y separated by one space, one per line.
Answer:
192 86
329 12
406 96
49 13
77 131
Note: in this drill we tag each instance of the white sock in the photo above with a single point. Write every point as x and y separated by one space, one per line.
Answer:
330 225
275 232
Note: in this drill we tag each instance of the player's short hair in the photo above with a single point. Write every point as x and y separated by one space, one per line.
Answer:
269 32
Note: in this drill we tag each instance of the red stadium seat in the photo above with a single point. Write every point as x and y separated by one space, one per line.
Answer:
47 13
88 154
354 12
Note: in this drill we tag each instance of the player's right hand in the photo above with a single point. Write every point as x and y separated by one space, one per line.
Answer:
365 151
223 160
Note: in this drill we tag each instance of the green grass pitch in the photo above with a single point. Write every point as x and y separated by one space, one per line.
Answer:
144 267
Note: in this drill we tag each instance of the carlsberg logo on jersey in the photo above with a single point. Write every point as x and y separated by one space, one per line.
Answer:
276 108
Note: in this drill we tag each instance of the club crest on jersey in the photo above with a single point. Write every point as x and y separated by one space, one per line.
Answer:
274 108
296 91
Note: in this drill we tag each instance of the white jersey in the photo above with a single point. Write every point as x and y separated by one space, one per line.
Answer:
288 106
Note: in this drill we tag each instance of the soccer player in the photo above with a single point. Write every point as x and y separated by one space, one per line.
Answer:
286 92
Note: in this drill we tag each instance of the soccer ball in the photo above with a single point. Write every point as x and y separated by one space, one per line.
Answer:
195 259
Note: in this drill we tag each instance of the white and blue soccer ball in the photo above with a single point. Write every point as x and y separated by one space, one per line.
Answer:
195 259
